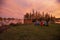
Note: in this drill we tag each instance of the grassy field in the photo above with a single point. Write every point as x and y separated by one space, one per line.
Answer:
31 32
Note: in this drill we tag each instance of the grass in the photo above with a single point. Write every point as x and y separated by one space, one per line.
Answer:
31 32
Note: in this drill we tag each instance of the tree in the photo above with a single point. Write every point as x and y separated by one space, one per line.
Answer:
52 19
37 16
0 18
26 16
30 15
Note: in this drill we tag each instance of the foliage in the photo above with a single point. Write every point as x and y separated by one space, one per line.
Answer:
36 15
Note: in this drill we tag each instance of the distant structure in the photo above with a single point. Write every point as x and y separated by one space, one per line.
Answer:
35 15
8 21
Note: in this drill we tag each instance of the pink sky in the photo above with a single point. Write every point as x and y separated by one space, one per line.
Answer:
17 8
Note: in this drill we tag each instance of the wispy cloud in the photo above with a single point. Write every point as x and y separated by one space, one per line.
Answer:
20 7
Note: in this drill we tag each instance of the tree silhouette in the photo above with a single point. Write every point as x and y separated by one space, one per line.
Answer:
0 18
26 16
37 16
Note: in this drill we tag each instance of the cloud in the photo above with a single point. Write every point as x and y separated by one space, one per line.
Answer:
20 7
58 1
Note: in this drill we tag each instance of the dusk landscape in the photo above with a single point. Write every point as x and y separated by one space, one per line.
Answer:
29 19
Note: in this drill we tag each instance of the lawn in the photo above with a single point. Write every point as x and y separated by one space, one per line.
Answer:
31 32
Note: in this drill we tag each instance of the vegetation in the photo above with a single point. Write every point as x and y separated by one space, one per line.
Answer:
8 18
31 32
39 16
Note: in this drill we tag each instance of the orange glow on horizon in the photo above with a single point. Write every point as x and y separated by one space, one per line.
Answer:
17 8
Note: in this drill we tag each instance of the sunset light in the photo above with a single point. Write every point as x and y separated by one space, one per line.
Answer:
29 19
20 7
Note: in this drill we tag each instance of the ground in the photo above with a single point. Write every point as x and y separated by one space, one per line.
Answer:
31 32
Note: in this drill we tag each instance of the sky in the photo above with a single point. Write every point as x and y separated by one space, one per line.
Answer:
17 8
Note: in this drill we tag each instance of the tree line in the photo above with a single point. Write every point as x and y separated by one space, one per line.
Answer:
35 15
